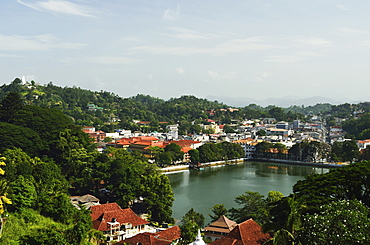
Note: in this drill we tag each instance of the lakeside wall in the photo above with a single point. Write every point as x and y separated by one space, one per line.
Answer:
314 164
235 161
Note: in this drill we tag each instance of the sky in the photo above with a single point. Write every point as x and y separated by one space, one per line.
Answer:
167 48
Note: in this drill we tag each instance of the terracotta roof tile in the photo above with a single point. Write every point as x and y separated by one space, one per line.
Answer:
165 237
101 214
170 234
246 233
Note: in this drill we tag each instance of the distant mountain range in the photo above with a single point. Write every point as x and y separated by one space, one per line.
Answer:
285 102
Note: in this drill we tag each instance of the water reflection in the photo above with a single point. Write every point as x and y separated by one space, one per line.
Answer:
221 184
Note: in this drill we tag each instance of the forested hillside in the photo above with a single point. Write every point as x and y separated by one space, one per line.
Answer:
46 158
107 111
112 111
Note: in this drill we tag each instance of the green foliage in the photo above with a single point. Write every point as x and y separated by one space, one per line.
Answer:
47 236
23 193
190 223
13 136
130 178
345 151
310 151
171 154
194 155
218 210
345 183
188 232
193 216
339 222
253 206
9 106
221 151
29 227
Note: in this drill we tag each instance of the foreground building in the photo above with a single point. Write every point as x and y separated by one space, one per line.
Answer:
116 223
219 228
246 233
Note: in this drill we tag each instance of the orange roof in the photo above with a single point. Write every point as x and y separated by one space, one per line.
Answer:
172 233
246 233
165 237
144 238
184 143
101 214
186 149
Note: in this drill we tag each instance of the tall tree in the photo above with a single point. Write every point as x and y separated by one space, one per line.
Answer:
9 106
218 210
253 205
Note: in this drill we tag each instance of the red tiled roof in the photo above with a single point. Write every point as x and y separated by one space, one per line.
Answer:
209 120
144 239
165 237
246 233
101 214
170 234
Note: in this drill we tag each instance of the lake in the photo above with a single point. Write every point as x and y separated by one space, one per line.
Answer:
202 189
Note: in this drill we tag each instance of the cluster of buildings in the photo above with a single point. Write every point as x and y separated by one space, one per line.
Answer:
124 226
247 133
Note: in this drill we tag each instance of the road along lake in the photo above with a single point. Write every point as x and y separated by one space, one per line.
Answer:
202 189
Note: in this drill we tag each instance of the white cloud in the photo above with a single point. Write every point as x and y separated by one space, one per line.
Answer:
261 77
31 78
59 6
342 7
150 76
180 70
10 56
170 14
318 42
213 74
352 31
111 60
233 46
299 56
34 43
228 76
186 34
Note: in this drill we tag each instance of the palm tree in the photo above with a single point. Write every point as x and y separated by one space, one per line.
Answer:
286 235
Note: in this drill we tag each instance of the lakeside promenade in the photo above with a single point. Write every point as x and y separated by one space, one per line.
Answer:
235 161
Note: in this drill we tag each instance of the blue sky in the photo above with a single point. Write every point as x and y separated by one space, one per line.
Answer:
250 48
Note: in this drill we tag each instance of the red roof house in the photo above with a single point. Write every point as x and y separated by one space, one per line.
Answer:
115 222
219 228
246 233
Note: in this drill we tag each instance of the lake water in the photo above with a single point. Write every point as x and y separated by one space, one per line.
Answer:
203 189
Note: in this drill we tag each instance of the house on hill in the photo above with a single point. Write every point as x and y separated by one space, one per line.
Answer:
246 233
219 228
116 223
